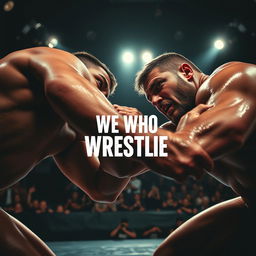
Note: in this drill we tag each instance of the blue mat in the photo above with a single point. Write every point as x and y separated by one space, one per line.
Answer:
136 247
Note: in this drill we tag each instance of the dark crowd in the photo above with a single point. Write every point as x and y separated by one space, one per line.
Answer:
46 190
52 192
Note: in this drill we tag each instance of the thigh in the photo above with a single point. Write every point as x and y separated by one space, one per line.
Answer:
17 240
224 229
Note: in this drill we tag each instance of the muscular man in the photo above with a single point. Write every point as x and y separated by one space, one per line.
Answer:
225 129
49 100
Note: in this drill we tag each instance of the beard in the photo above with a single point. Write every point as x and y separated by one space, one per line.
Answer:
175 117
187 97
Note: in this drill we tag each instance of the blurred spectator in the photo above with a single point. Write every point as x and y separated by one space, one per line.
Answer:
74 203
122 231
18 189
202 200
34 206
139 195
18 208
153 201
216 198
112 207
128 195
181 193
87 203
60 209
137 206
186 207
120 204
31 197
135 184
152 232
170 203
100 207
43 208
173 189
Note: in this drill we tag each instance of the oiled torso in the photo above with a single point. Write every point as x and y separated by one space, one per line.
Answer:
29 128
236 169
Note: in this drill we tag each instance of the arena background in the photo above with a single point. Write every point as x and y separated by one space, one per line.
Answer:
107 29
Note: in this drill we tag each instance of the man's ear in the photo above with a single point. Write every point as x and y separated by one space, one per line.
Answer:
187 71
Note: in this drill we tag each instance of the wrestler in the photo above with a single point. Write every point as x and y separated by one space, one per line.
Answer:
217 111
49 100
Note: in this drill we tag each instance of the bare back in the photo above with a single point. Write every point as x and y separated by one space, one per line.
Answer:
30 130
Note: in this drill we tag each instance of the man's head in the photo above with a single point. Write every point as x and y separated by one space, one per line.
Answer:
168 82
124 222
105 80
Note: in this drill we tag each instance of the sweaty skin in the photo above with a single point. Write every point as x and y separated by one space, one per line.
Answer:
222 121
45 92
225 128
48 101
31 128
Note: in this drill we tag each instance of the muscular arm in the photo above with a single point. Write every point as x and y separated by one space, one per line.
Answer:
226 126
86 173
75 98
73 94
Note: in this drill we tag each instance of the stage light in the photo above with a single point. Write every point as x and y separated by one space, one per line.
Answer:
8 6
128 57
52 42
146 56
219 44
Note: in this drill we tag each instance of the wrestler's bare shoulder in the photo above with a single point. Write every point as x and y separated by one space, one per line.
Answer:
236 75
24 54
45 57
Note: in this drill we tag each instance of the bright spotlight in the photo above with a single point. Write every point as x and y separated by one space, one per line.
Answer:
52 42
219 44
50 45
146 56
8 6
128 57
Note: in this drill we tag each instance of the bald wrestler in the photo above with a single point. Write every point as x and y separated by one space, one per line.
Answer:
218 112
49 100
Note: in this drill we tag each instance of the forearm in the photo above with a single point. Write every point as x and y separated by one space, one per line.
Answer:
78 104
114 232
216 136
110 186
130 233
122 167
87 173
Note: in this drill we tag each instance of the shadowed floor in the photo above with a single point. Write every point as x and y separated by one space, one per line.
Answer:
136 247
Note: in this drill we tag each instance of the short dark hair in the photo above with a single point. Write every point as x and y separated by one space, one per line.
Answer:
89 60
167 61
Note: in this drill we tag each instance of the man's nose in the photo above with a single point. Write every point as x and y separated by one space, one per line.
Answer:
155 100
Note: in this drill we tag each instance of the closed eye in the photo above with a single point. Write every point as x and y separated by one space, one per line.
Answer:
100 83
